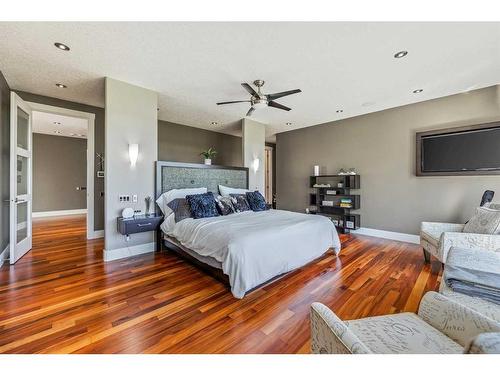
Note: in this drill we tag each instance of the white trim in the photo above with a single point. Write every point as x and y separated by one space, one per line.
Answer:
4 255
405 237
80 211
96 234
126 252
90 117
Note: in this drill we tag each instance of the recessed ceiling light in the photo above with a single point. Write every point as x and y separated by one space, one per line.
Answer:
289 123
62 46
214 123
417 91
61 86
57 123
57 132
72 134
340 110
401 54
81 135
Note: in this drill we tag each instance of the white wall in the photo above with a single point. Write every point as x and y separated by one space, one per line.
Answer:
254 139
131 117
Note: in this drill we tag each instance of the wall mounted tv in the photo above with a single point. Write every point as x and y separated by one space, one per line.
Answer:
470 150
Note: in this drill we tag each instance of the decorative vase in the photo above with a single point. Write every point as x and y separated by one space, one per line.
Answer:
148 204
208 161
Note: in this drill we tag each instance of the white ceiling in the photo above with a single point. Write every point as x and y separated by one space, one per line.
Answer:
348 66
65 126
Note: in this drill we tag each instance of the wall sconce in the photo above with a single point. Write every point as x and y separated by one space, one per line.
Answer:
256 164
133 153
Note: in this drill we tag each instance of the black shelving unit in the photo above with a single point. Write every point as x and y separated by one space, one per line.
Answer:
339 212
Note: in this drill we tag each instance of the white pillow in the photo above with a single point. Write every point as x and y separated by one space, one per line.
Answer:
485 221
170 195
225 191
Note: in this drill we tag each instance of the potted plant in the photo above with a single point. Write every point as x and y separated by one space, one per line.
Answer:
209 155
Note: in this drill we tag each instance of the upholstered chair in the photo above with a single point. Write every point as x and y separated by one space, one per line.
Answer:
438 238
441 326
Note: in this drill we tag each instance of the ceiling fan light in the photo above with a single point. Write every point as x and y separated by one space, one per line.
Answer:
259 104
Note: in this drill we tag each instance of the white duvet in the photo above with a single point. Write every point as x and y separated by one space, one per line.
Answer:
254 247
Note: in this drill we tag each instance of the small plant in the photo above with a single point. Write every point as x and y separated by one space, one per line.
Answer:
209 154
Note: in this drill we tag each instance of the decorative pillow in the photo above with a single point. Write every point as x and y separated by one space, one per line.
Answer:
170 195
224 205
240 202
202 205
226 191
256 201
181 209
485 221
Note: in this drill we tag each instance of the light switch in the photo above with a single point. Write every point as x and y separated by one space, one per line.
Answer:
134 198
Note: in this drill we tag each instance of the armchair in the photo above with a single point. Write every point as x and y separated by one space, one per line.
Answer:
441 326
437 239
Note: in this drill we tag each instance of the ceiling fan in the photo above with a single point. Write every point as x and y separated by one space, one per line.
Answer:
260 100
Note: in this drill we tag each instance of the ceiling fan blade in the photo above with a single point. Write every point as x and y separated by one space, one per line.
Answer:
277 95
235 101
250 111
278 105
250 90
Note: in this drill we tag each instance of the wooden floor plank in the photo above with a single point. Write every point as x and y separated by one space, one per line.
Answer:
62 298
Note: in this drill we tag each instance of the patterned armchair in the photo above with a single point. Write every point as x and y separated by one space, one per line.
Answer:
438 238
441 326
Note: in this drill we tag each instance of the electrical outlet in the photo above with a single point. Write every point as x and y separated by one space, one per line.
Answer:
124 198
134 198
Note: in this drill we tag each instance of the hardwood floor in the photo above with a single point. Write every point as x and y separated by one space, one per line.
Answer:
62 297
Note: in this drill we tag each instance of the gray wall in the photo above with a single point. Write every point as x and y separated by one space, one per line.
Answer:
4 164
59 166
381 146
131 118
98 140
184 143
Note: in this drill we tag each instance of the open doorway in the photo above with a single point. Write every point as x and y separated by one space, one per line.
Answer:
63 164
269 172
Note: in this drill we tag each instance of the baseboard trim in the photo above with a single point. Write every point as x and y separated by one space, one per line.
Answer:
96 234
130 251
404 237
4 255
59 213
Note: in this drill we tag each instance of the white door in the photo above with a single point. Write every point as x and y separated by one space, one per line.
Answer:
20 178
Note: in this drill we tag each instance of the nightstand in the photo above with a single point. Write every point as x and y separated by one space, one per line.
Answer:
138 224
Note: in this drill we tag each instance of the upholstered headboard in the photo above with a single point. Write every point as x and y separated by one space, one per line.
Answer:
174 175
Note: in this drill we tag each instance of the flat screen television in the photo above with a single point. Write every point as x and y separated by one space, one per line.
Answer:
471 150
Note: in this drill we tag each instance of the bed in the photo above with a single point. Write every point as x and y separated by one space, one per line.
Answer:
246 249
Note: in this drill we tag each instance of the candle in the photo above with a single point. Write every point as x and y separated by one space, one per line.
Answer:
316 170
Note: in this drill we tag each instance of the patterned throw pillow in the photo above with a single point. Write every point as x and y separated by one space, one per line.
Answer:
202 205
485 221
224 205
181 209
256 201
240 202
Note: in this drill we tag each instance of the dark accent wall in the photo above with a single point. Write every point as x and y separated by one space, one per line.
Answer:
381 146
59 167
4 165
184 143
98 140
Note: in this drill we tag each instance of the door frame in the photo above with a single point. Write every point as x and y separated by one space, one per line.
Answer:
90 117
268 165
